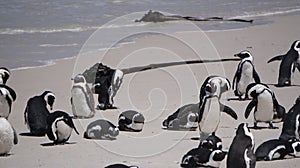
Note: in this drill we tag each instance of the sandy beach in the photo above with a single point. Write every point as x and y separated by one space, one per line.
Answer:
155 93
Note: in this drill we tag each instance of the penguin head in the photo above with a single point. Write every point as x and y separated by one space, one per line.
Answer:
212 142
79 78
113 132
138 122
102 70
244 55
49 97
4 75
244 131
8 92
296 45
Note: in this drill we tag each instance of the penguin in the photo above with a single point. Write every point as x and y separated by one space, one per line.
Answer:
187 116
107 83
244 74
212 142
8 137
82 100
7 97
289 62
264 103
210 115
277 149
4 75
101 129
291 123
202 157
132 121
60 127
37 111
118 165
240 152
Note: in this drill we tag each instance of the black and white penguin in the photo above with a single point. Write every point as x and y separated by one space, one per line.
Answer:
101 129
264 103
289 62
277 149
187 116
106 85
131 121
60 127
119 165
241 152
82 100
212 142
198 157
291 123
36 112
8 136
7 96
244 74
210 115
4 75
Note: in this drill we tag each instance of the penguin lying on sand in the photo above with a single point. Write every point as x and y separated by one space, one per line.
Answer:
118 165
60 127
101 129
8 137
244 74
277 149
212 142
131 121
289 62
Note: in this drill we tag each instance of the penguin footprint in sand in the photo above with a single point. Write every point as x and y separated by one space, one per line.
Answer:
60 127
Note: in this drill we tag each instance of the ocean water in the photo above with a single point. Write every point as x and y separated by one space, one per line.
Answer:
37 32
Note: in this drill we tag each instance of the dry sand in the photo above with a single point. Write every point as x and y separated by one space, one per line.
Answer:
156 94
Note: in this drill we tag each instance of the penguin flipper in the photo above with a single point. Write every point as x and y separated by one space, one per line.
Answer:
15 136
228 111
255 76
249 107
276 58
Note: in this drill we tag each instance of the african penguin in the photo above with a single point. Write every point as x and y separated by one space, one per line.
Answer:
118 165
82 100
131 121
7 96
291 123
277 149
244 74
240 152
212 142
202 157
60 127
4 75
187 116
106 85
101 129
210 115
37 111
289 62
263 102
8 136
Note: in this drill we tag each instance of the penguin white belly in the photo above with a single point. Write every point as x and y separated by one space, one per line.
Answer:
211 116
6 137
264 111
63 131
246 77
4 107
80 104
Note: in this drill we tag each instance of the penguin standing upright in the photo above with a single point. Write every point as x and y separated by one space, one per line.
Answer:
289 62
7 96
8 136
4 75
244 74
60 127
101 129
240 152
187 116
131 120
291 123
264 102
82 99
36 112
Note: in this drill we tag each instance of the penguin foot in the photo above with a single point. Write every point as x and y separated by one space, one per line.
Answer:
272 127
101 106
